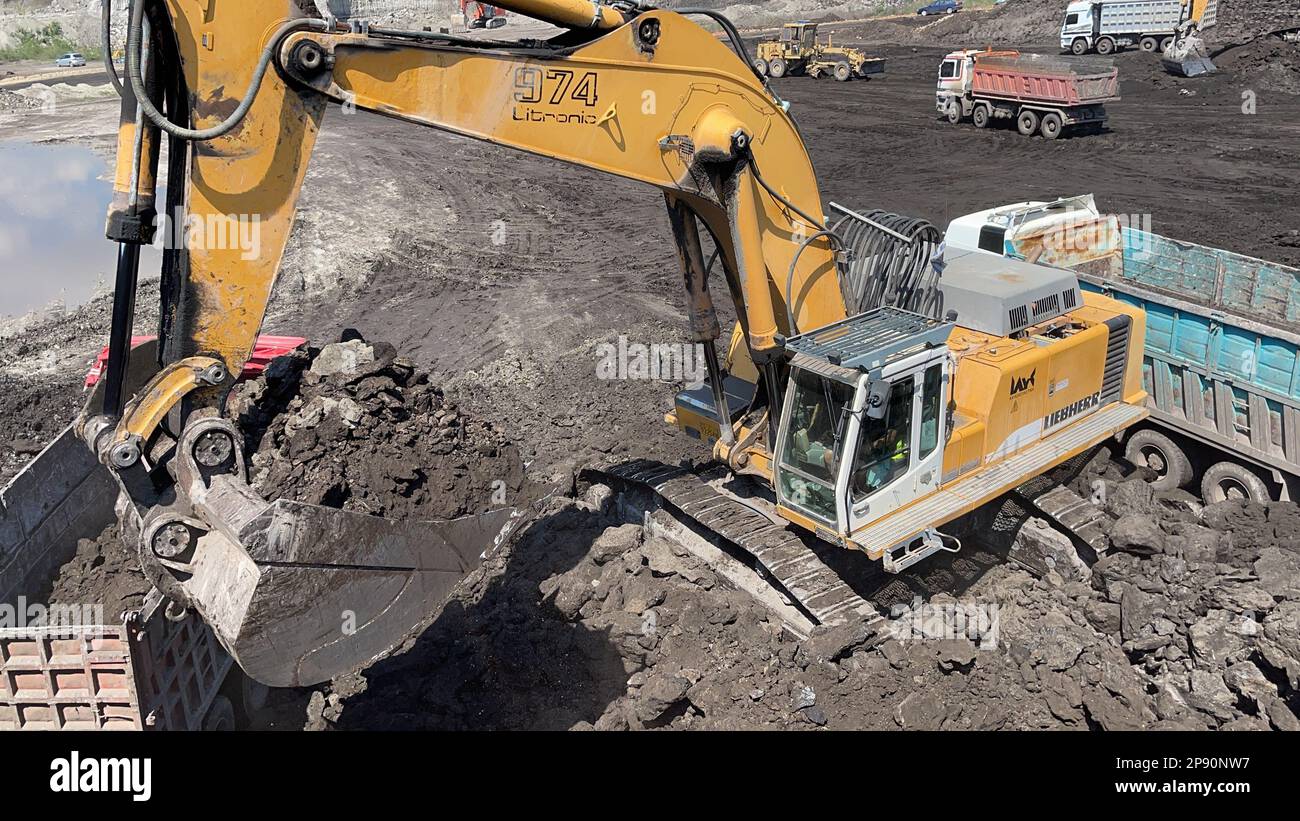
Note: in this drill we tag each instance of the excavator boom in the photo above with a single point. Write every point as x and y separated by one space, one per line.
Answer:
299 593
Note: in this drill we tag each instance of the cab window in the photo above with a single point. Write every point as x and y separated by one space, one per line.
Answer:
931 405
948 70
1071 19
819 413
885 444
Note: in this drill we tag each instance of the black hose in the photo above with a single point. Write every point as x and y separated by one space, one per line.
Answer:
135 77
106 43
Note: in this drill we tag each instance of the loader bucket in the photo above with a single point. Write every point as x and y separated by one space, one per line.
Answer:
305 593
1190 66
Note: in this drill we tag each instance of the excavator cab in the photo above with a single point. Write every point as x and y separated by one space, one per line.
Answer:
864 419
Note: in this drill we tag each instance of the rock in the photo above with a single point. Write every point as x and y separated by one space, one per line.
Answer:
1131 497
1280 715
659 695
1199 544
1138 534
1211 695
955 655
1279 572
920 710
815 715
1280 644
351 359
616 541
1137 610
1105 616
1046 550
803 698
575 590
1215 640
831 644
1245 678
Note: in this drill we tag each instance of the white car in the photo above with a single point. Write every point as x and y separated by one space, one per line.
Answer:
71 60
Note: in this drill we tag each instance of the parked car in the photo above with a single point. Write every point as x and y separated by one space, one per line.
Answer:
71 60
941 7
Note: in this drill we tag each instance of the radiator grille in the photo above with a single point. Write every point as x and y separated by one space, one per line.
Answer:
1112 380
1019 318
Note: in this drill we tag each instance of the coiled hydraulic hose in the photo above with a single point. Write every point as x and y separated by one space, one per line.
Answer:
134 76
890 263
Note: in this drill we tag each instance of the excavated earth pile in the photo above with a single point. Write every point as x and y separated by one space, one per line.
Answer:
356 427
1191 621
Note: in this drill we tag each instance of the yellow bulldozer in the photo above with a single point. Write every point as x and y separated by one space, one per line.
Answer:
796 51
873 388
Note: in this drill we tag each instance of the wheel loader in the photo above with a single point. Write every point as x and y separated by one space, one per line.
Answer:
873 387
796 51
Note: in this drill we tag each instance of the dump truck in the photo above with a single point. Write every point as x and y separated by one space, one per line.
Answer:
1043 94
1106 26
1221 364
796 51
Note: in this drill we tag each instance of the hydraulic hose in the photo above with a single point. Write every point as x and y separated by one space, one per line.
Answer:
134 76
106 44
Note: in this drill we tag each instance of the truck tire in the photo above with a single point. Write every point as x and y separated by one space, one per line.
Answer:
1079 47
1229 480
760 65
981 116
776 68
220 717
1051 126
953 112
1105 46
843 72
1149 44
1153 450
1165 44
1027 123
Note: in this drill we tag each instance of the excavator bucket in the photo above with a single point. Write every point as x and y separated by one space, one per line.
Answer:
1190 66
1188 57
306 593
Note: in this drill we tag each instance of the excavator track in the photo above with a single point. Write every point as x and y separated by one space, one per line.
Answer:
780 554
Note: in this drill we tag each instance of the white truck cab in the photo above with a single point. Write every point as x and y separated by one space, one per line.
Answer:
1078 24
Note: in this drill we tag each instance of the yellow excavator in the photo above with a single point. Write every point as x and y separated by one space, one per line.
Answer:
876 386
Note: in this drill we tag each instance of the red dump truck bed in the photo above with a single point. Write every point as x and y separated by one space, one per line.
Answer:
1038 78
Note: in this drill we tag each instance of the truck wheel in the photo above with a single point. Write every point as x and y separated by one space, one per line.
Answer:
220 717
1148 44
980 116
776 68
843 72
1079 47
1165 44
953 113
1105 46
1051 127
1027 123
1229 480
1152 449
760 65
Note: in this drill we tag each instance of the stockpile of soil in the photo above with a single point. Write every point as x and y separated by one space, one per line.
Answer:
1189 621
1243 20
354 426
1268 63
11 103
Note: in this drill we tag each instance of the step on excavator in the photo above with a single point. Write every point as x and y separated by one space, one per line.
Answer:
874 387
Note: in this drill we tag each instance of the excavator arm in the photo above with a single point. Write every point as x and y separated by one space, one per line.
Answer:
298 593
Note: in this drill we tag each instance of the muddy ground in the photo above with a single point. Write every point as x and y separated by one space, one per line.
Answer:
500 274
